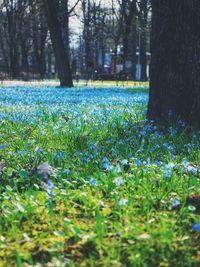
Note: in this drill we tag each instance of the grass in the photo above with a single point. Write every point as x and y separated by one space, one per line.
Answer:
79 83
115 190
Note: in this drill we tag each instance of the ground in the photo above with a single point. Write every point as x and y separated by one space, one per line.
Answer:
87 181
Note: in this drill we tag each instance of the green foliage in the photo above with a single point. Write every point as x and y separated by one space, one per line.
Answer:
125 192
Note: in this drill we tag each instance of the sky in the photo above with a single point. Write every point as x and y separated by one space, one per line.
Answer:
75 23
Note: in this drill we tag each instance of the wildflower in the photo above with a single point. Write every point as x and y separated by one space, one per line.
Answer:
38 150
22 153
20 207
3 146
51 194
50 185
84 160
172 131
187 167
191 169
181 123
196 227
185 163
158 163
105 160
107 166
167 172
123 201
78 153
124 162
113 151
171 165
176 204
120 142
170 148
119 181
191 208
138 162
60 155
93 182
144 236
147 162
129 156
118 169
66 171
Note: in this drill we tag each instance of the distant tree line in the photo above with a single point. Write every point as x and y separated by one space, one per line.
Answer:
37 38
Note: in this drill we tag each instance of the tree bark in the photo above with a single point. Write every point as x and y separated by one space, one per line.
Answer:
133 51
143 56
175 63
61 55
143 39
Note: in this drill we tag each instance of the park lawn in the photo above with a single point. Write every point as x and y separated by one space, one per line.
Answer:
77 83
87 181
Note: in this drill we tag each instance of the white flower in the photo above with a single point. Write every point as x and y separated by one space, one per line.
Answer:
123 201
144 236
119 181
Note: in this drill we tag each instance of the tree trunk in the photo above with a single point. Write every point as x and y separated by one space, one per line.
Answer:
143 38
175 63
143 56
133 52
61 55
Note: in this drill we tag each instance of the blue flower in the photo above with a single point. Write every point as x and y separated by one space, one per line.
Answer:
181 123
148 161
105 160
107 166
93 182
158 162
167 172
138 162
196 227
66 171
3 146
22 153
84 160
170 148
38 150
118 169
50 185
185 163
176 203
51 194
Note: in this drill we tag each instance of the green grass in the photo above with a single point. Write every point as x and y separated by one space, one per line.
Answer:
105 212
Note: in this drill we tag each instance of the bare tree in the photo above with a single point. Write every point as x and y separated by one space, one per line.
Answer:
60 52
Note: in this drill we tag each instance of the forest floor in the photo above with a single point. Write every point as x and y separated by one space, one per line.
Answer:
85 180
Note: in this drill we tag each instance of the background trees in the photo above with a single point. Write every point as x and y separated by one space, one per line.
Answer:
175 65
108 43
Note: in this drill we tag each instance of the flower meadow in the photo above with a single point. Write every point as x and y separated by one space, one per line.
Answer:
86 180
